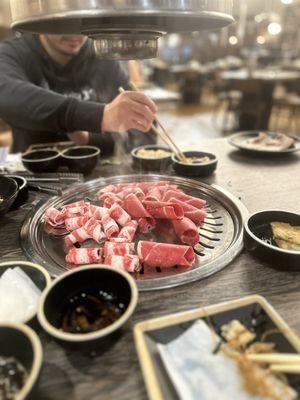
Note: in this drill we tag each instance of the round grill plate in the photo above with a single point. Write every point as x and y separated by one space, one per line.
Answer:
221 234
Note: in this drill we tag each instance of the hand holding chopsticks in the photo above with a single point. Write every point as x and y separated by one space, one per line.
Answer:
163 134
278 362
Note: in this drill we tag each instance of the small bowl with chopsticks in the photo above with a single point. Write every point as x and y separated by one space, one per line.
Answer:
274 237
81 159
8 193
151 158
21 357
23 288
199 164
88 305
39 161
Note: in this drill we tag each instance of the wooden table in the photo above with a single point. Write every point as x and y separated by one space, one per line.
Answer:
115 374
257 88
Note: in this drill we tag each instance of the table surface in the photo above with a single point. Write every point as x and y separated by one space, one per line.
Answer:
114 372
260 75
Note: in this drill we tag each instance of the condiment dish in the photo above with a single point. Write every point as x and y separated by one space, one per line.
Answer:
57 299
21 343
258 239
81 159
201 169
145 164
39 161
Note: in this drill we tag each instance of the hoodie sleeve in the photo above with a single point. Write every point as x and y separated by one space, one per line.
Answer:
30 107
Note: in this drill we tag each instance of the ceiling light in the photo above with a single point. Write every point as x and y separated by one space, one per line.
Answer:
274 28
260 39
233 40
287 1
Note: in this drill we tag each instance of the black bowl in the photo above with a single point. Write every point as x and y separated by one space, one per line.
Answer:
84 279
258 239
22 343
81 159
23 191
150 164
8 193
39 161
201 169
35 272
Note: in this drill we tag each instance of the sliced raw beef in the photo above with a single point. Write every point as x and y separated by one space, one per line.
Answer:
80 235
94 230
110 227
163 210
134 190
54 217
146 225
110 201
77 209
154 194
128 263
187 231
75 223
128 231
195 214
165 255
134 207
194 201
109 188
98 212
118 249
119 215
84 256
145 185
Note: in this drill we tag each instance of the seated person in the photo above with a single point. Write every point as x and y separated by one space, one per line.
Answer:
54 85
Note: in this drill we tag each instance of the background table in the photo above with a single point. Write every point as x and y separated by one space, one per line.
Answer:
114 373
257 90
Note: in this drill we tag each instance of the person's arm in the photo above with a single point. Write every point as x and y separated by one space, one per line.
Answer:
27 106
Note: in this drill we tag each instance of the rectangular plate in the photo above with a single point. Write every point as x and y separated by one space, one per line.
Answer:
149 334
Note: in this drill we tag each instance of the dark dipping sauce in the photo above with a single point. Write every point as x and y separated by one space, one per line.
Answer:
12 378
90 310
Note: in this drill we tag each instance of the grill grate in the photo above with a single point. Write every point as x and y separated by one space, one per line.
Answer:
220 243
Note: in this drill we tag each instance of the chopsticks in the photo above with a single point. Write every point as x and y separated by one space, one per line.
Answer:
286 363
163 134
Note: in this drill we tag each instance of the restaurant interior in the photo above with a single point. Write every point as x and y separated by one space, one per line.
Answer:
149 200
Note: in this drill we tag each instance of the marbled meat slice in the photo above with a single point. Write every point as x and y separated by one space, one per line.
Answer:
98 212
187 231
128 231
129 263
119 215
165 255
154 194
94 229
194 201
118 249
195 214
80 235
111 228
74 223
84 256
134 207
164 210
54 217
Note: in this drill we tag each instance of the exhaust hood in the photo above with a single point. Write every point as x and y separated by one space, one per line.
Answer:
121 29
